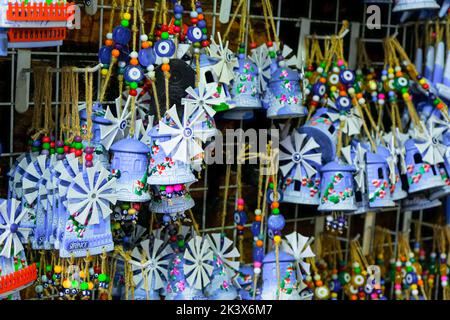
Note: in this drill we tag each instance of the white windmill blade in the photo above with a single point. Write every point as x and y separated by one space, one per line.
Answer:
96 194
205 98
431 148
66 170
119 125
347 153
353 125
197 267
32 175
224 248
141 103
12 214
260 57
297 246
227 61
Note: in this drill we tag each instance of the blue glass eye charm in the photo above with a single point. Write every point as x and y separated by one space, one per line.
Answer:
256 228
133 74
343 103
258 254
121 35
147 56
104 54
347 77
194 34
164 48
240 217
320 89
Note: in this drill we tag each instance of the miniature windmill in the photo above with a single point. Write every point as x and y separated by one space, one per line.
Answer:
32 176
299 155
90 195
290 60
198 262
359 162
226 251
19 172
226 60
204 97
183 144
260 57
430 144
142 132
11 231
142 102
149 263
396 144
298 246
120 124
66 170
352 120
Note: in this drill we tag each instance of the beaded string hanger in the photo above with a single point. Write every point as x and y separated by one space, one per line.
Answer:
43 80
442 243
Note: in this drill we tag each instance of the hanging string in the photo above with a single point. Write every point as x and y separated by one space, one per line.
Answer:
230 24
225 196
88 97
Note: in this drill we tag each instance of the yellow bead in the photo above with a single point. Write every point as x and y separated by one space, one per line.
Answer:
277 239
414 286
104 72
333 88
334 295
57 269
406 95
422 81
127 16
90 285
67 284
82 274
391 70
132 211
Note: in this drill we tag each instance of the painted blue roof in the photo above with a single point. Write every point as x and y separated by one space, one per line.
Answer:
130 145
292 75
334 166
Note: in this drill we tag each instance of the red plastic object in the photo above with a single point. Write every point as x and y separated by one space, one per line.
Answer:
18 279
36 34
38 12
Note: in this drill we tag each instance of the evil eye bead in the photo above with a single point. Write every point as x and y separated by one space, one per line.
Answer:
343 103
195 34
320 89
164 48
306 293
133 74
104 54
322 293
347 77
240 217
270 233
401 82
358 280
410 278
271 194
333 79
256 228
345 278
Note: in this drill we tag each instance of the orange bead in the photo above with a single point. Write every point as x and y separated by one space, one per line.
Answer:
440 106
108 42
342 93
200 17
399 74
115 53
323 80
259 243
240 207
420 282
134 61
145 45
359 95
258 218
275 205
319 283
354 297
165 67
240 228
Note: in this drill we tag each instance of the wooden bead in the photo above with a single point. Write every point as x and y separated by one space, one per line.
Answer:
165 67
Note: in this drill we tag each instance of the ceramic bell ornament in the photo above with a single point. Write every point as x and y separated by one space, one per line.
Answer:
129 164
288 286
245 93
337 188
171 200
444 169
300 160
244 280
378 180
89 200
324 131
283 98
421 176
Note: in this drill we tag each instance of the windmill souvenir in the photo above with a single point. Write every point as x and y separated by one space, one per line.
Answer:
378 179
89 197
190 272
119 126
149 262
15 273
301 177
395 159
225 266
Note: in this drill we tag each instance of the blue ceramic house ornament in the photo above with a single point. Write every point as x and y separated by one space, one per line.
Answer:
283 98
129 164
337 188
421 175
378 180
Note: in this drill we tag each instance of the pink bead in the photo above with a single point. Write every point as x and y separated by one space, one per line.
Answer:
176 29
340 63
398 286
169 189
178 187
381 96
257 264
241 202
444 278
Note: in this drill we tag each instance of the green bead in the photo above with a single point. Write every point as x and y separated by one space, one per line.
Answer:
180 243
75 284
358 270
52 151
46 145
125 23
102 277
197 44
125 206
133 85
84 286
60 150
271 185
323 65
35 149
54 277
436 102
276 211
205 31
177 22
162 188
241 50
405 90
272 54
165 35
78 145
48 268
